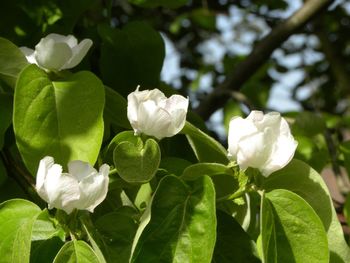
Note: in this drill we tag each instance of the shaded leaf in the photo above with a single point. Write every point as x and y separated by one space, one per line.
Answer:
61 118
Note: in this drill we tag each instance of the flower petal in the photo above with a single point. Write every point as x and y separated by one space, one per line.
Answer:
62 189
252 151
29 53
78 53
52 55
80 169
238 129
93 189
44 166
70 40
154 121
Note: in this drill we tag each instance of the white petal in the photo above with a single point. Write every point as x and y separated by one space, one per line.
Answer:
52 55
70 40
255 116
238 129
45 164
29 53
154 121
155 95
178 121
93 189
80 169
63 190
78 53
252 151
132 109
282 154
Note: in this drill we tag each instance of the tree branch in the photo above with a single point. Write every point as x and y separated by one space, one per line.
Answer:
260 54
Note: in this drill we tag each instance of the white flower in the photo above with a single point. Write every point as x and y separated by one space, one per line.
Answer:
81 188
261 141
150 112
57 52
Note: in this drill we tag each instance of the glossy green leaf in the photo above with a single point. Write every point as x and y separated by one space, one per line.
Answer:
12 61
117 230
116 109
233 244
156 3
94 237
131 56
205 147
17 217
226 182
3 173
137 163
182 226
119 138
301 179
6 106
291 231
45 228
76 251
60 118
44 251
174 165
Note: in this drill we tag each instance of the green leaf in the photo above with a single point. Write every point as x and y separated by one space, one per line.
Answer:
301 179
116 109
204 18
17 217
308 124
174 165
130 57
291 231
45 228
233 244
10 189
182 227
119 138
5 115
157 3
344 148
118 230
12 61
225 181
3 173
76 251
205 147
94 237
43 251
137 163
60 118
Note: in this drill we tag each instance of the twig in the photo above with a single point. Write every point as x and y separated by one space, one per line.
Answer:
260 55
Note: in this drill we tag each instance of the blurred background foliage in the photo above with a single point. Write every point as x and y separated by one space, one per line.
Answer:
191 47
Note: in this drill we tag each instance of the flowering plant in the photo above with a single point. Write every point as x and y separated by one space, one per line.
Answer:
95 168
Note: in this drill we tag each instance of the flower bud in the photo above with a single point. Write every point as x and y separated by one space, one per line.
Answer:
261 141
151 113
57 52
81 188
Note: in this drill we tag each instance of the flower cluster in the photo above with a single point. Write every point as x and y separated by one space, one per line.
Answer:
259 141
